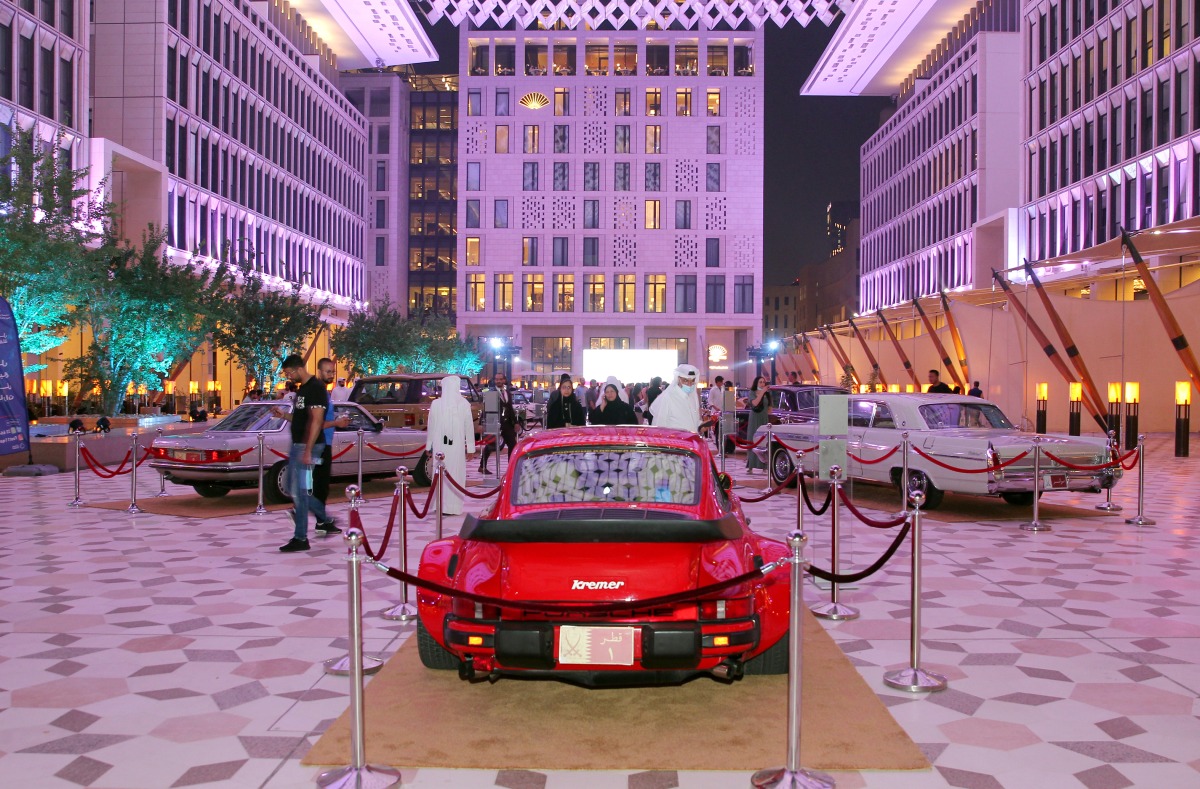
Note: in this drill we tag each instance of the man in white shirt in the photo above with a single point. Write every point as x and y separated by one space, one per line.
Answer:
341 392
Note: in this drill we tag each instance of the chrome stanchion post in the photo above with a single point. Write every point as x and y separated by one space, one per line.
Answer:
769 440
260 509
835 609
358 774
133 508
904 449
162 475
914 678
799 489
361 433
1035 524
77 502
1108 505
793 776
1140 519
349 664
402 611
439 468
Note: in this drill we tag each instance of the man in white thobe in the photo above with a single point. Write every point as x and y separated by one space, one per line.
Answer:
679 405
452 432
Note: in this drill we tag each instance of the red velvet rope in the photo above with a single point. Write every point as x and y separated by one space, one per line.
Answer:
344 451
412 505
454 483
983 470
1132 463
101 470
277 453
737 442
874 524
780 442
1111 464
416 451
880 459
356 523
775 491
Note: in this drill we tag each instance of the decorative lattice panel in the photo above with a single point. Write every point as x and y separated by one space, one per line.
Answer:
661 14
595 137
625 214
595 98
716 213
476 141
687 251
563 216
624 251
745 104
743 252
533 213
745 139
687 175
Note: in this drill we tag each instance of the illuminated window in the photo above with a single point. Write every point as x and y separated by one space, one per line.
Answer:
472 250
656 293
714 102
683 101
593 286
653 101
533 139
502 293
626 293
653 139
474 102
502 139
622 102
529 251
533 298
653 216
564 292
562 101
476 286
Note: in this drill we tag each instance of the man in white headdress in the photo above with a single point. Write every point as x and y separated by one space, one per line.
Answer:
452 432
679 405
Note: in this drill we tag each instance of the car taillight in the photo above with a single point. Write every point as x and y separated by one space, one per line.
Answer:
410 420
466 609
158 453
737 608
994 462
225 455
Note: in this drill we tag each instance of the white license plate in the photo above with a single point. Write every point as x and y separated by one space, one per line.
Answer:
596 646
180 454
1055 482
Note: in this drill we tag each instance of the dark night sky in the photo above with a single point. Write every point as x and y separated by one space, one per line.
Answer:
811 155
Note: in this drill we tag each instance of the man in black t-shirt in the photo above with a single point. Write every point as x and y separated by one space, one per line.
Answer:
308 443
936 385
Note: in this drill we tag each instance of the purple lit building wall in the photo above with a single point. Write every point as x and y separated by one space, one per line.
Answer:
611 193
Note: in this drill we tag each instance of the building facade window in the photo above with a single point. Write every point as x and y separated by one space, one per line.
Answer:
591 251
591 214
714 293
476 287
683 101
561 251
685 293
564 292
653 214
533 297
593 286
529 176
626 293
653 139
591 176
743 294
502 293
683 214
533 139
656 293
562 176
562 101
472 248
500 213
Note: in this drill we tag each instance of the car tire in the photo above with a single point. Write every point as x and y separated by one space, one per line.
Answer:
1020 498
420 473
275 484
773 661
919 480
781 466
209 490
434 655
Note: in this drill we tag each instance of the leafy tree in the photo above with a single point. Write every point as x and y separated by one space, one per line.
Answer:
50 220
258 326
369 342
381 340
143 312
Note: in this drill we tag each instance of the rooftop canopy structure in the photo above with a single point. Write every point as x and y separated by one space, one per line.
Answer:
638 14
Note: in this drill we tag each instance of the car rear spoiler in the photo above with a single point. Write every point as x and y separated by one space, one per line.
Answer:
627 529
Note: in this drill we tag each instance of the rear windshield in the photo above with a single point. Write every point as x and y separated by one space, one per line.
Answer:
386 392
950 415
627 474
252 418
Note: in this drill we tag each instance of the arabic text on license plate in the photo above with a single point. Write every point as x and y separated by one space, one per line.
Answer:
1056 481
596 646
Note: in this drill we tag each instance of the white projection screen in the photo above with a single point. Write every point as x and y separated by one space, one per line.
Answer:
629 366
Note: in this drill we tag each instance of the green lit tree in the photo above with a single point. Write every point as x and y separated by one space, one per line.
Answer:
50 222
381 339
259 325
433 346
142 313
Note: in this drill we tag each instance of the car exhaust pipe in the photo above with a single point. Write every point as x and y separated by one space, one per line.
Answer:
466 670
727 670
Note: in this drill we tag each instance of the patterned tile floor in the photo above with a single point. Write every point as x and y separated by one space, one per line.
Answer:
154 651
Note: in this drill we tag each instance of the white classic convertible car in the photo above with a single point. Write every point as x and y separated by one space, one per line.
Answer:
958 444
225 456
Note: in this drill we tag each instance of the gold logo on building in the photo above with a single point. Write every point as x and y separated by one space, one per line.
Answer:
534 101
717 353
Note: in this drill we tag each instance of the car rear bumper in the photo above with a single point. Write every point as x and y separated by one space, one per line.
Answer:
1022 480
660 645
213 472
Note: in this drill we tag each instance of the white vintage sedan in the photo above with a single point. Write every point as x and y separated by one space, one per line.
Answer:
957 444
225 456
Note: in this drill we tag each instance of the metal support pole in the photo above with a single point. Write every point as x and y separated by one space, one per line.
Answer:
162 475
358 774
133 508
77 502
835 609
770 439
260 509
904 450
361 432
1108 505
1035 524
799 490
793 776
347 665
915 679
721 431
439 470
402 611
1140 519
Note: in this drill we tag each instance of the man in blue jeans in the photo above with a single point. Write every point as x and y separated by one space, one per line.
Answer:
308 422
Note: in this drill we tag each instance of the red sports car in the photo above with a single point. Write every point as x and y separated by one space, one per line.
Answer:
606 515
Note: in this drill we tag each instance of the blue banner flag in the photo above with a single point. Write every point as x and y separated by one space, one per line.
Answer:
14 415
